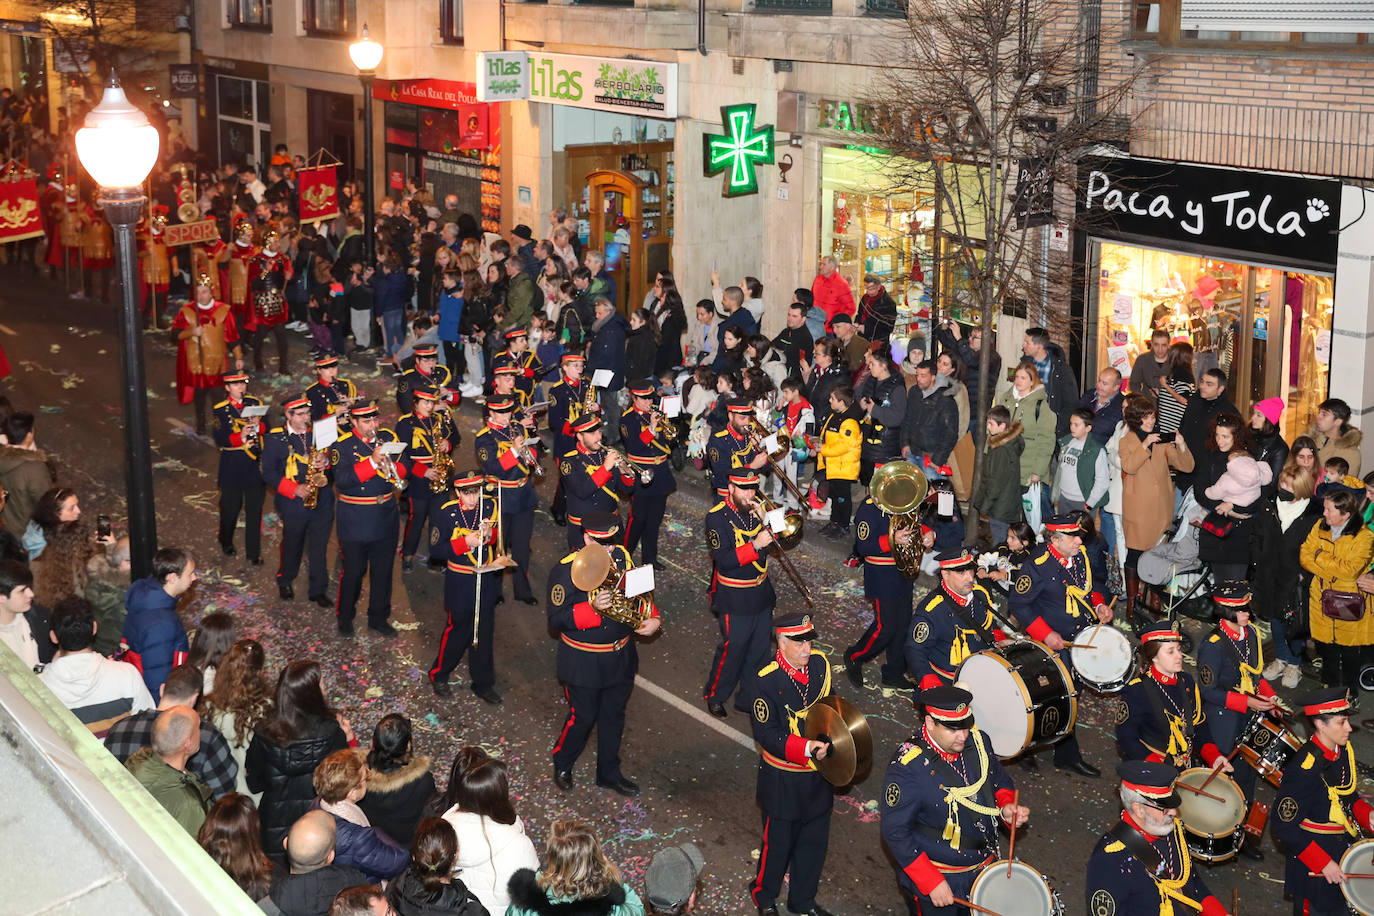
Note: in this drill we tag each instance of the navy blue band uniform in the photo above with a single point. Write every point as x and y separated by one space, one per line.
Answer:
286 470
1318 813
464 597
1228 667
438 380
795 799
1130 875
528 364
940 812
597 663
941 636
422 437
646 450
729 452
332 400
1160 719
240 475
742 597
889 590
502 458
368 526
566 399
590 487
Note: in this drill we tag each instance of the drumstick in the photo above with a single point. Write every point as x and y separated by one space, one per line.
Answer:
1184 785
1235 901
1011 853
975 907
1349 874
1215 770
1093 635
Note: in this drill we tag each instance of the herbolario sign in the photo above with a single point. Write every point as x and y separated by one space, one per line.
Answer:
638 87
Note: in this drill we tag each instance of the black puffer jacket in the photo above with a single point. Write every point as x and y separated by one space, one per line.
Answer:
284 774
1273 451
408 897
526 896
395 800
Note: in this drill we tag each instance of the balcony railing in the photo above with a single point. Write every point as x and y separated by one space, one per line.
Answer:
804 7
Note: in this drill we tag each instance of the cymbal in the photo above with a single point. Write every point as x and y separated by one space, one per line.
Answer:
590 566
837 720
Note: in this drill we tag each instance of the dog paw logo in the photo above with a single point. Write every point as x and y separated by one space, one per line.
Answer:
1102 904
893 794
761 710
1317 210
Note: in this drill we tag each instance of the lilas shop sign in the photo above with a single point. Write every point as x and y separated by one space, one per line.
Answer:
1289 219
638 87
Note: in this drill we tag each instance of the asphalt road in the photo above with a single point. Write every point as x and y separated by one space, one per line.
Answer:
697 773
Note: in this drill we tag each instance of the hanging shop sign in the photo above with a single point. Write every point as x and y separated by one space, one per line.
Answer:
636 87
1287 219
1033 199
739 151
184 80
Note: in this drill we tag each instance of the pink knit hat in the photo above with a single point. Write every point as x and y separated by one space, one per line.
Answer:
1271 408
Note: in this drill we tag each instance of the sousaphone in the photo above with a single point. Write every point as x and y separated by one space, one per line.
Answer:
839 723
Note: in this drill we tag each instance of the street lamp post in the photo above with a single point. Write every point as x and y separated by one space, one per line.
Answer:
117 147
366 55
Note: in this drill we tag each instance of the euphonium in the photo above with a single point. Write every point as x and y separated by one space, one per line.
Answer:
899 488
315 478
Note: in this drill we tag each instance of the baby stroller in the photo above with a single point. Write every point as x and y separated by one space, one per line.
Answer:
1175 580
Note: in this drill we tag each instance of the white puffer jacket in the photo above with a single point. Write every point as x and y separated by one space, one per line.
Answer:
488 854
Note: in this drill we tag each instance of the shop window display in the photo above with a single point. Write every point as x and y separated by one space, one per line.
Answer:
1268 329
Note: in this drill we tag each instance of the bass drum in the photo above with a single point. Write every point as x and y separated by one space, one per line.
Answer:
1021 890
1359 859
1214 829
1022 696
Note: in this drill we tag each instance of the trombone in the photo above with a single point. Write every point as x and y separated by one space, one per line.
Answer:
790 536
760 433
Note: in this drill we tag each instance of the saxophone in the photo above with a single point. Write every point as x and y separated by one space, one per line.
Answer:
443 461
589 401
315 478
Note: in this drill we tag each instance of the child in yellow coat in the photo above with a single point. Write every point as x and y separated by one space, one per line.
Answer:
838 458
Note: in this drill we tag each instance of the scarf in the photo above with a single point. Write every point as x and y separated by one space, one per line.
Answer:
1289 511
346 810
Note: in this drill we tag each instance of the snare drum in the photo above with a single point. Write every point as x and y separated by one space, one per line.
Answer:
1268 745
1107 666
1022 695
1025 892
1214 829
1358 859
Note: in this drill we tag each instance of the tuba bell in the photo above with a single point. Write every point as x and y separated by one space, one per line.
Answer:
899 488
593 570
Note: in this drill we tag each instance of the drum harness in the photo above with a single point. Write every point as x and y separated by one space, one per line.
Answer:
1148 854
961 610
1247 671
1180 726
956 794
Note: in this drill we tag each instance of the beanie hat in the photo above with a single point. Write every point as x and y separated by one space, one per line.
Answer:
1271 408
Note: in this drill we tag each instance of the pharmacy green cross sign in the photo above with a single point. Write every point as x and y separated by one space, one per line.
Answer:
739 150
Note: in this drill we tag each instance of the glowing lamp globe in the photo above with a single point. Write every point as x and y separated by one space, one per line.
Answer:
366 53
117 146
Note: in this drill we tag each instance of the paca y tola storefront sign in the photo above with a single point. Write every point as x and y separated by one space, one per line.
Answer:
637 87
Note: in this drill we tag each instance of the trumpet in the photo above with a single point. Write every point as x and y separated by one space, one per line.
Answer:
524 452
790 536
386 470
630 469
664 428
315 479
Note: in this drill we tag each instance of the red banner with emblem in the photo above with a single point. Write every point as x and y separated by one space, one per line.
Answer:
19 214
318 187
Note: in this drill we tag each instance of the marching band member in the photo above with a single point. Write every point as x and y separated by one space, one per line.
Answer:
426 435
566 398
426 373
946 793
952 622
1141 866
733 449
1053 598
369 522
517 354
503 382
1318 813
268 273
795 798
646 451
597 661
288 463
204 331
465 532
1160 718
235 277
1229 663
330 395
742 595
890 592
503 457
593 477
240 478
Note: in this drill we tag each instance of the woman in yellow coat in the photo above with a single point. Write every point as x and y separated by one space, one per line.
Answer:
1338 552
